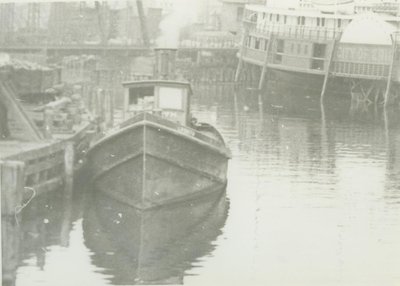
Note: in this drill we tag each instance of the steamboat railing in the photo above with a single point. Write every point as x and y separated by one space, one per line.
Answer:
292 31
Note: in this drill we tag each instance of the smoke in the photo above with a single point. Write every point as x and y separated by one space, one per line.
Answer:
182 14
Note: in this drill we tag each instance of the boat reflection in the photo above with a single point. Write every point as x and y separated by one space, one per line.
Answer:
154 246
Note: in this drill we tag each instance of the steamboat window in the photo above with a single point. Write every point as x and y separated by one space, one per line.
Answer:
264 15
277 17
292 48
298 48
319 50
266 45
306 49
318 22
285 19
339 23
257 44
280 46
252 42
262 44
303 20
322 21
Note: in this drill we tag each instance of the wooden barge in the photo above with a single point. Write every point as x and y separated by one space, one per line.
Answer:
347 50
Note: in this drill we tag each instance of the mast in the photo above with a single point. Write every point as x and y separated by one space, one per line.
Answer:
100 19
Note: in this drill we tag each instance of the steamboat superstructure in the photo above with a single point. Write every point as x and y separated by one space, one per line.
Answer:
330 41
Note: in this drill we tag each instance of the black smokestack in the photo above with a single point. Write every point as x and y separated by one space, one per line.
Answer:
164 67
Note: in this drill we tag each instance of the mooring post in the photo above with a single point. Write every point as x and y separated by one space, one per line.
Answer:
69 158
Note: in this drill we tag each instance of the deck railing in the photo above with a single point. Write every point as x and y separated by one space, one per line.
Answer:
293 31
209 42
365 70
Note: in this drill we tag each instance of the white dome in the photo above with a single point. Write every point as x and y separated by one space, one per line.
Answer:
368 29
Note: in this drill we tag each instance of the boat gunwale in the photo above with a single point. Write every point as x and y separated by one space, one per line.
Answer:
222 150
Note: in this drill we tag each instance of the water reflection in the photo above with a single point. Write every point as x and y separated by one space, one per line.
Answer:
156 246
318 190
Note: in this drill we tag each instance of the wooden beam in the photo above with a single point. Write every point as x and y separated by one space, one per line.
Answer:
265 65
9 95
240 63
69 159
389 79
328 69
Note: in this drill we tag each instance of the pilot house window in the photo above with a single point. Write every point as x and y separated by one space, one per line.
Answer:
141 95
170 98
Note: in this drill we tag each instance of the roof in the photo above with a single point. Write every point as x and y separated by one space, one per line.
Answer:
157 82
311 12
368 28
6 60
335 6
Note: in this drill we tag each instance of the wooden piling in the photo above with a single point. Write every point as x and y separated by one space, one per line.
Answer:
240 63
111 106
10 244
69 158
265 66
11 189
48 116
328 70
389 80
11 185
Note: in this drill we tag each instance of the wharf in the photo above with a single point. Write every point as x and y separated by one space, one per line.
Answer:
11 148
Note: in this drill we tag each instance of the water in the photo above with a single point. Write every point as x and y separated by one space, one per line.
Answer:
313 199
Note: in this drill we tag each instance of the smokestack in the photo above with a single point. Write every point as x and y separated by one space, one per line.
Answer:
165 63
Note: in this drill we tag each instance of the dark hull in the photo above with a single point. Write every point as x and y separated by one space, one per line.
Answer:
337 86
150 162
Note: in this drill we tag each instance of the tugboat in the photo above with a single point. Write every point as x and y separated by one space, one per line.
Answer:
159 148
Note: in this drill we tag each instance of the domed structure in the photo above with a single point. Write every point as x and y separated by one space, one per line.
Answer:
369 29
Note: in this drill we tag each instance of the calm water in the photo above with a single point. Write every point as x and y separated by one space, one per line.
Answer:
312 199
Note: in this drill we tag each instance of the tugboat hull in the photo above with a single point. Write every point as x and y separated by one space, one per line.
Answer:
150 161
